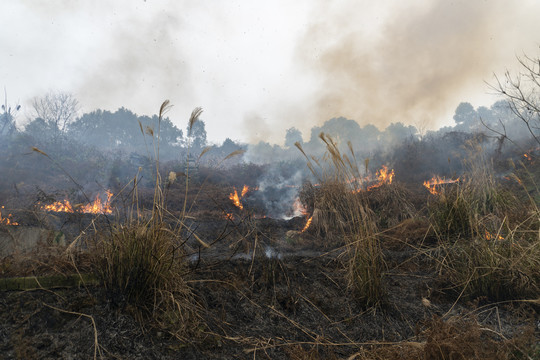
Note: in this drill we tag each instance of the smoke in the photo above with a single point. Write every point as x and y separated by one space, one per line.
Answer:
416 63
278 189
145 67
260 68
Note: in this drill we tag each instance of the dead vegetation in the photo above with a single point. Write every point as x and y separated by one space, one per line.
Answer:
388 271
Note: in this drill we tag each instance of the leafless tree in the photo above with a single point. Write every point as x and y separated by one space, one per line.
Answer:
57 109
522 91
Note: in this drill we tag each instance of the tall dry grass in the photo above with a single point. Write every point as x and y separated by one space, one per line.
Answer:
489 238
340 211
141 262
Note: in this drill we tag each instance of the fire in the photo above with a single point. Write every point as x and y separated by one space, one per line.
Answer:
245 189
527 156
229 216
235 198
299 209
383 177
308 223
96 207
7 220
490 236
432 184
59 206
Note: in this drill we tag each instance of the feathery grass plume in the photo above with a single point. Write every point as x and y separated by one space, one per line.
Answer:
235 153
164 108
194 116
204 151
35 149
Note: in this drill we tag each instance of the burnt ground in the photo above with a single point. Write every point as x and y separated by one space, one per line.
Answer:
266 291
276 305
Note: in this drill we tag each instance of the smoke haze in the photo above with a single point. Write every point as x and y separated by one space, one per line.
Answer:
421 63
259 69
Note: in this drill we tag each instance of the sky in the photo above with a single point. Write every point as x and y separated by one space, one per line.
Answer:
258 68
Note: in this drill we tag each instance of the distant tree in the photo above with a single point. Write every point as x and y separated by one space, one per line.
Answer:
465 116
39 129
197 135
397 132
229 146
292 136
57 109
121 130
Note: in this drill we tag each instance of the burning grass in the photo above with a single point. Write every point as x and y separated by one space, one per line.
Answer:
340 211
485 249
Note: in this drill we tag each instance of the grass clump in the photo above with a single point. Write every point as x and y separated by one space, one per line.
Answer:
488 243
339 211
141 262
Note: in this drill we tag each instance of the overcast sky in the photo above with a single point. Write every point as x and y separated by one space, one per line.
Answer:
258 68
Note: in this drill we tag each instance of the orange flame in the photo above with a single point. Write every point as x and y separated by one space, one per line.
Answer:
97 207
490 236
432 184
308 223
59 206
383 177
7 220
236 199
229 216
245 189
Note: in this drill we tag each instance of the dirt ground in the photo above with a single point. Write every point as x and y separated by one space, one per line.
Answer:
276 305
273 294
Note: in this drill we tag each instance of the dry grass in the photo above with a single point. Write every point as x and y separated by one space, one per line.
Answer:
489 243
340 211
141 262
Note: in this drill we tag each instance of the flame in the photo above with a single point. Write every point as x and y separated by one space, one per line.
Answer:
7 220
59 206
245 189
229 216
96 207
299 209
236 199
431 185
527 156
383 177
308 223
490 236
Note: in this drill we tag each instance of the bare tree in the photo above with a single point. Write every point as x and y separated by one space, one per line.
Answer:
522 91
57 109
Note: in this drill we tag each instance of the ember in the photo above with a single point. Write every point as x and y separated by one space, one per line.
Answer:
7 220
490 236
